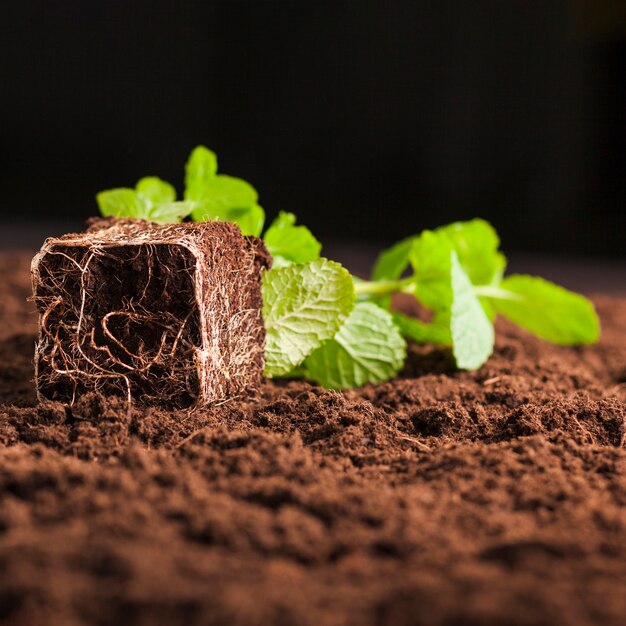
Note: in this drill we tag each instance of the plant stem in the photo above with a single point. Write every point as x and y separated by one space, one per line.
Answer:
383 287
405 285
495 292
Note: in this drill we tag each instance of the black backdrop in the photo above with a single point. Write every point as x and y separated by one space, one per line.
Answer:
371 120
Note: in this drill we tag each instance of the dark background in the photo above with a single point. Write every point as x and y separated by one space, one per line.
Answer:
370 120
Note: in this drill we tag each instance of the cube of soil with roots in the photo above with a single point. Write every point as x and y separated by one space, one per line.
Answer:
167 315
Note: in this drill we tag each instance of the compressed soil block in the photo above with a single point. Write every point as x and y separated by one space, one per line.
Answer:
161 315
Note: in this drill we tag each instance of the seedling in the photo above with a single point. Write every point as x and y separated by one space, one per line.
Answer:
340 331
455 271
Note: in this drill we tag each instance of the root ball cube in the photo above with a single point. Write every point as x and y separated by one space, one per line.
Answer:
163 315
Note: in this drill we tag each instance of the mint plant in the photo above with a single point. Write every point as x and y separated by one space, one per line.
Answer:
217 196
341 331
152 199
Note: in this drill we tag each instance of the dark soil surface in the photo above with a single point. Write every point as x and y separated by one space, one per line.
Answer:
493 497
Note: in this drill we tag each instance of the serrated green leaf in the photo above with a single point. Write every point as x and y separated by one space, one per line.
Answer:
201 167
470 328
437 331
288 243
548 310
476 244
156 190
367 348
392 262
123 202
170 212
250 219
221 193
303 306
430 258
221 197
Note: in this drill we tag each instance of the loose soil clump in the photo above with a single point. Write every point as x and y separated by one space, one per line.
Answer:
163 315
443 497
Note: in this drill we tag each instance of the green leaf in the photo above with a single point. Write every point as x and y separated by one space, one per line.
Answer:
156 190
250 219
430 259
288 243
231 200
393 261
303 305
200 169
548 310
437 331
221 197
123 202
221 193
476 244
367 348
471 330
170 212
390 265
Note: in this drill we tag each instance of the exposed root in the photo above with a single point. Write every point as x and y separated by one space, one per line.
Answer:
162 315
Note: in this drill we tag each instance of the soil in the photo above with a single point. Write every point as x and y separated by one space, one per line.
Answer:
442 497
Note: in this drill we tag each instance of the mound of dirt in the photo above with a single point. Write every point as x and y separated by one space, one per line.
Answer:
442 497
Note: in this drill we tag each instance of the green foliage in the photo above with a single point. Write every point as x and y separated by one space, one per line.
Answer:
228 199
170 212
547 310
200 170
457 273
430 258
475 242
437 331
124 202
217 196
303 306
392 262
367 348
288 243
339 330
476 245
156 190
208 195
222 192
250 219
471 330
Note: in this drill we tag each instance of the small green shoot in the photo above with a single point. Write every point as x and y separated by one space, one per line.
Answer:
217 196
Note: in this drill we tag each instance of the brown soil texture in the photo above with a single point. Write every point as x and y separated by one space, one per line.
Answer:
493 497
